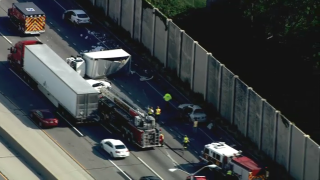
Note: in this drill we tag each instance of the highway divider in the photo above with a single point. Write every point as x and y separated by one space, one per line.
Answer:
25 155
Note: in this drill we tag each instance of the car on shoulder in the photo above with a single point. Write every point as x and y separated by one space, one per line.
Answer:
150 178
76 16
192 112
44 118
115 148
97 85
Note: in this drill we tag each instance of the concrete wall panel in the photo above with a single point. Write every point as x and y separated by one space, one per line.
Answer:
147 33
127 15
254 117
115 10
269 126
103 4
241 106
161 37
174 47
213 84
297 153
227 90
187 57
137 20
200 70
283 141
312 160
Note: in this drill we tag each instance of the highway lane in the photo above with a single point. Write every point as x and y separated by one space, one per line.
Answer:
66 133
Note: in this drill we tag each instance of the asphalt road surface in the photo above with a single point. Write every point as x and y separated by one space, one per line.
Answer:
81 143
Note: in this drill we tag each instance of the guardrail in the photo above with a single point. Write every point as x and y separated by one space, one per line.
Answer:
255 118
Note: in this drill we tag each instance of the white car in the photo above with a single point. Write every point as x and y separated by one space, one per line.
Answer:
115 148
97 85
191 112
76 16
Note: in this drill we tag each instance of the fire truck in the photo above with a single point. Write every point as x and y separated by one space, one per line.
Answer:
230 159
134 125
28 18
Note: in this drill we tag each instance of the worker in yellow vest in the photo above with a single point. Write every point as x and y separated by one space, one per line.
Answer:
158 113
150 111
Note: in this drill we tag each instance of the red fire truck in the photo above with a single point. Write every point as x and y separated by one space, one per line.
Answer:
134 125
28 18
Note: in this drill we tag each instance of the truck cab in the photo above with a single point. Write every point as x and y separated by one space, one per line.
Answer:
16 55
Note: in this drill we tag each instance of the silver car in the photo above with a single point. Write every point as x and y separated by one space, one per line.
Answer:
191 112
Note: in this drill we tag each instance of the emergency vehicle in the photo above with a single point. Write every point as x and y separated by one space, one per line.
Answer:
133 124
228 158
28 18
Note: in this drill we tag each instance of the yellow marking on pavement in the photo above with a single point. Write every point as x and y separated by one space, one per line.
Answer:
67 152
4 177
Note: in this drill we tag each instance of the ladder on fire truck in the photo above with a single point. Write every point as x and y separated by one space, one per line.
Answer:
134 112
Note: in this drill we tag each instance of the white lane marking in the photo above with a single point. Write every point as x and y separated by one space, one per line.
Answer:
121 86
74 44
60 5
130 93
58 29
206 134
120 170
150 168
138 100
173 161
71 125
171 129
106 128
66 36
5 38
20 78
37 38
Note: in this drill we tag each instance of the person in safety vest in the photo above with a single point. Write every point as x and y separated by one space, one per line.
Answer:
161 139
150 111
167 97
185 141
158 113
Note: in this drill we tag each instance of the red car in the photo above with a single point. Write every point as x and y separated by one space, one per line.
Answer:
44 118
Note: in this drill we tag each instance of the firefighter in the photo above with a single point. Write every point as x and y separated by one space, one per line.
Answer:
150 111
161 139
167 97
158 113
229 175
185 141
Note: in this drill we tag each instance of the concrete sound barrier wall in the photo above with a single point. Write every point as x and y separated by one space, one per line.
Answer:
187 58
312 160
240 115
200 74
148 25
114 11
297 152
127 16
174 47
283 141
254 117
269 127
102 4
161 37
227 94
214 81
137 26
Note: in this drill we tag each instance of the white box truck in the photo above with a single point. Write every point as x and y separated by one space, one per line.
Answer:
100 64
74 98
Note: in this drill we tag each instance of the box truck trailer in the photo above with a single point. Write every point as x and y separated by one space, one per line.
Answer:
42 68
100 64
